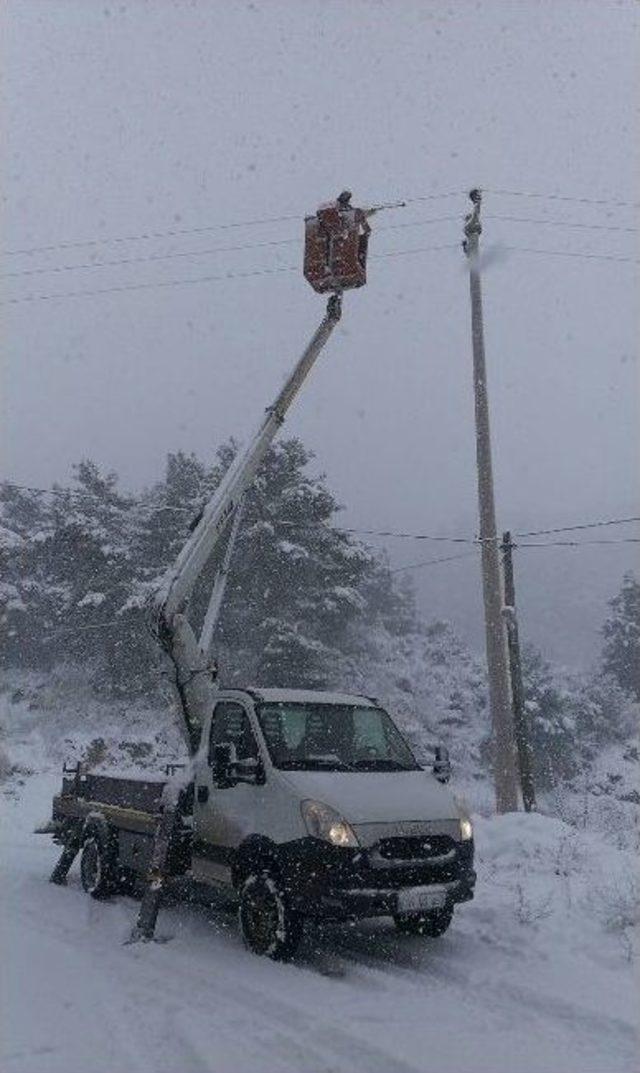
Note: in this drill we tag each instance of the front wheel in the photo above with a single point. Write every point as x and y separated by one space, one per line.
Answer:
431 924
268 925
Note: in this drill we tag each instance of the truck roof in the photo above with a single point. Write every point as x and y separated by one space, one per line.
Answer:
307 696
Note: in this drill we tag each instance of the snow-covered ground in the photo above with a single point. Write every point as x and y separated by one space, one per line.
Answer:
535 976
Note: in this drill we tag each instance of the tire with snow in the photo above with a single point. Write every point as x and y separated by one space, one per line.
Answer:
98 863
269 926
430 924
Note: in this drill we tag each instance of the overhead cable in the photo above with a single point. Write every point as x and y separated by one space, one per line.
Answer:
298 217
148 258
220 277
581 525
578 543
204 229
117 289
558 223
143 507
570 253
563 197
147 235
433 562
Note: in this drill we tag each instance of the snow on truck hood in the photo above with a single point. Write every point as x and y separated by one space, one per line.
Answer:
377 796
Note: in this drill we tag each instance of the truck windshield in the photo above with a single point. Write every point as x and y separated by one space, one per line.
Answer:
333 737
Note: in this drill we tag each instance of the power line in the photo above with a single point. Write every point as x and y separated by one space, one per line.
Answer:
380 533
558 223
582 525
198 253
263 221
578 543
117 289
563 197
394 533
434 197
120 288
147 258
433 562
548 544
205 229
417 249
514 249
146 236
571 253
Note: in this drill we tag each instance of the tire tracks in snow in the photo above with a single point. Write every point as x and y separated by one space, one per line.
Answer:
440 965
266 1022
195 1004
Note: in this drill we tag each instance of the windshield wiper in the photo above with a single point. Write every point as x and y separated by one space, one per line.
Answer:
381 764
315 763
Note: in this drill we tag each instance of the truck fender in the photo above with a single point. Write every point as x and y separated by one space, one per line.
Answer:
256 854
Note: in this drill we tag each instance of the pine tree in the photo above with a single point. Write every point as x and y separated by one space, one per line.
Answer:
432 683
621 632
297 581
80 565
23 526
72 572
550 708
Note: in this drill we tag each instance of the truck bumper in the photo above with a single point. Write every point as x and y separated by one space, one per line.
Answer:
327 882
355 904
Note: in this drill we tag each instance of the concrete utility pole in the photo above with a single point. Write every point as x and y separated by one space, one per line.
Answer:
497 656
521 723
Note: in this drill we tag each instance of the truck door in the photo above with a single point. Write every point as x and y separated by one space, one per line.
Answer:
224 815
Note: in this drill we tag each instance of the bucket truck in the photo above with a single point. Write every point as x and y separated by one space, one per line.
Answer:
296 805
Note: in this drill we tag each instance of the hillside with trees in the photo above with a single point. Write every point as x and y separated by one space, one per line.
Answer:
307 604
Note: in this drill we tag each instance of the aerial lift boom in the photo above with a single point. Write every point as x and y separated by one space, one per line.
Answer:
195 675
336 242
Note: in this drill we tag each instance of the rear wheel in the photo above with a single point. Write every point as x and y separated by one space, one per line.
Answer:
431 924
97 865
269 926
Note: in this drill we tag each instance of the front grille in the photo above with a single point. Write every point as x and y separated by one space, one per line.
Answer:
415 848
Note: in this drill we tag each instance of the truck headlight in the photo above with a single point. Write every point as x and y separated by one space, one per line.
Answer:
324 822
466 830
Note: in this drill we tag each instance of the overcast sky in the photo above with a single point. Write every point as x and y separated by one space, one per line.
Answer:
132 118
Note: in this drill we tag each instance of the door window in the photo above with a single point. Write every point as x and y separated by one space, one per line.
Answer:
230 723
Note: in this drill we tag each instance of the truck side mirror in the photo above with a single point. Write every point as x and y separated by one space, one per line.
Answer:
228 770
222 757
250 770
442 764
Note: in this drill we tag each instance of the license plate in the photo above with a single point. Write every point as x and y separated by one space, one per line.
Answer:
417 899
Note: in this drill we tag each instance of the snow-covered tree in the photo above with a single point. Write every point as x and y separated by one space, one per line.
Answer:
80 565
297 582
551 717
621 632
72 571
435 686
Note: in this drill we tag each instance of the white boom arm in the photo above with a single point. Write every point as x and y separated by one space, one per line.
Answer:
220 584
194 675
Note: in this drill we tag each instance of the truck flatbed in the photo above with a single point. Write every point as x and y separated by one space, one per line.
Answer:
142 796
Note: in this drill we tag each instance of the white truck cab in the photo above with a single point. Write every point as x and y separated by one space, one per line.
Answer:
312 804
299 805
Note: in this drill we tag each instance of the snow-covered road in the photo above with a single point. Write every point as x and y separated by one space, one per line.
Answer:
528 980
